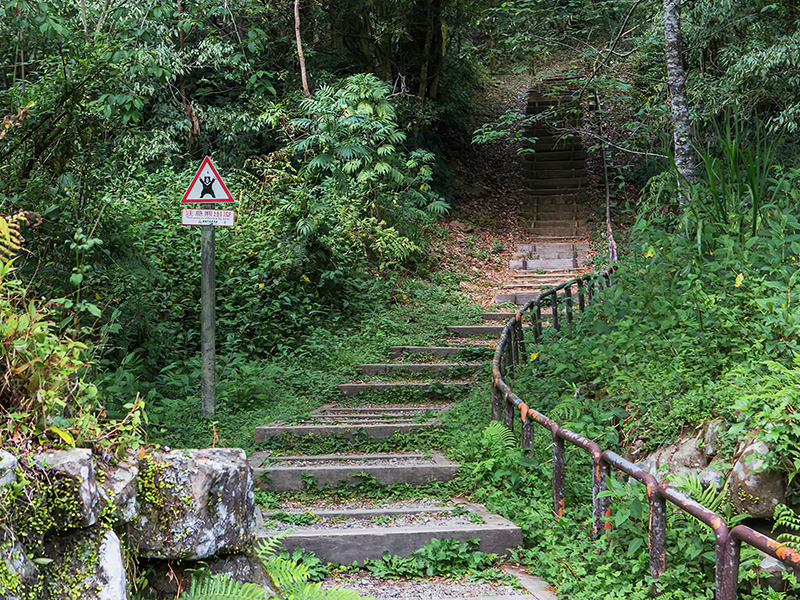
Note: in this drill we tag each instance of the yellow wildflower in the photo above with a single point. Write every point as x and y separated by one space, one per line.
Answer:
534 356
739 280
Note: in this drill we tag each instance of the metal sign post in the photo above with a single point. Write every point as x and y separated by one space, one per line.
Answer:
207 187
208 293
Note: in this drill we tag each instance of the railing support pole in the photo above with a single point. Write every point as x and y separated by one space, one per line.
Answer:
581 295
497 402
568 303
658 530
728 580
538 332
526 439
559 458
508 414
521 352
554 303
600 506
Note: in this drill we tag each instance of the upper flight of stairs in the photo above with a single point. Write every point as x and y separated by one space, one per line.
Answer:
556 211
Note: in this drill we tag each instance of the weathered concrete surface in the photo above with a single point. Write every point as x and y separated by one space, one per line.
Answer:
396 352
270 475
351 389
428 368
497 535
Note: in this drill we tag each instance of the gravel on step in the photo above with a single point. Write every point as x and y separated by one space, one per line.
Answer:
435 588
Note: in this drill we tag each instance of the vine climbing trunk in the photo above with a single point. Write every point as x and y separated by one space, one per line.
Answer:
300 56
679 103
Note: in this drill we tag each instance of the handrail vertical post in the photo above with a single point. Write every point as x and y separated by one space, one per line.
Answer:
526 439
728 581
559 458
568 303
600 506
497 401
581 295
657 528
554 303
508 414
538 333
522 352
590 291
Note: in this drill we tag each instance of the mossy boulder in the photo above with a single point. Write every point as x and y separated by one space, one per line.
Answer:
193 504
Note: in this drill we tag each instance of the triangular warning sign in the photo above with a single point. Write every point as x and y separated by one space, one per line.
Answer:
207 186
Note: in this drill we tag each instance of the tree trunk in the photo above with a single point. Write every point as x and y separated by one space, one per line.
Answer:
679 104
300 55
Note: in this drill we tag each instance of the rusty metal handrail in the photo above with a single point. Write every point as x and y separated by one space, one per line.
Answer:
505 404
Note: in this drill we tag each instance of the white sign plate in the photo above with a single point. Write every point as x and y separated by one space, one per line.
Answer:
201 216
207 185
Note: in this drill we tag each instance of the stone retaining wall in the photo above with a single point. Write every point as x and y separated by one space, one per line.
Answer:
68 523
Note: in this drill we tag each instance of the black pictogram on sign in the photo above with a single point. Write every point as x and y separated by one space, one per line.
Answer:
207 185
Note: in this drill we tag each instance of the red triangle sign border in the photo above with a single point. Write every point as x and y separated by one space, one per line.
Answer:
207 162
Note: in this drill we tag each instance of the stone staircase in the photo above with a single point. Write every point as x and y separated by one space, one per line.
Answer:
431 379
556 208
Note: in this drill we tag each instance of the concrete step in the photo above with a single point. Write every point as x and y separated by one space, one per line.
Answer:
543 248
558 232
561 184
284 473
397 352
568 164
519 298
476 330
376 422
545 264
432 368
335 539
555 198
432 388
497 316
561 275
577 154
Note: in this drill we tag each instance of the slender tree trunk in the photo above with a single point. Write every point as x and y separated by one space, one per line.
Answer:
679 104
300 55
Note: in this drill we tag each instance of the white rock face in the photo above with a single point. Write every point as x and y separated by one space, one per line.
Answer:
75 464
8 468
194 503
111 569
755 491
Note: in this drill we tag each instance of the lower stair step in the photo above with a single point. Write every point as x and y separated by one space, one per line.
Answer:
286 473
348 535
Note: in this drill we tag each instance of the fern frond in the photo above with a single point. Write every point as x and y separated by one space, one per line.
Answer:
224 587
569 408
286 572
498 437
270 547
709 496
785 517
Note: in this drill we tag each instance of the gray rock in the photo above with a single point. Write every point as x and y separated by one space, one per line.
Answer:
712 438
163 577
8 468
22 575
87 564
73 470
772 571
715 474
193 504
118 490
688 455
755 491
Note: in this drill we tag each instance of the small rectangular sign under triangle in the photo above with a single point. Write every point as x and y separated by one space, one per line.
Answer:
207 185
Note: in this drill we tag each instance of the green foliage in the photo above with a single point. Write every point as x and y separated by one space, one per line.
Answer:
789 521
438 557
